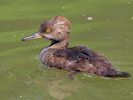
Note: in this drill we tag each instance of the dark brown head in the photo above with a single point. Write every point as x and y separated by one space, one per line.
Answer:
55 29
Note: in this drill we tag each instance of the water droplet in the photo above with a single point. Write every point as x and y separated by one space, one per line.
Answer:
20 96
89 18
131 18
62 7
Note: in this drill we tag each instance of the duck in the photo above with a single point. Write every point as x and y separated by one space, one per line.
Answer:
73 59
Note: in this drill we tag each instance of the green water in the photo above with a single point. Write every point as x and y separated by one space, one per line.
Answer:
109 31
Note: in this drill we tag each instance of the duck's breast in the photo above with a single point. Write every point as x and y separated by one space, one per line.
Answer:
49 59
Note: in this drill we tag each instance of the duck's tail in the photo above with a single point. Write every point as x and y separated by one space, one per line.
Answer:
116 74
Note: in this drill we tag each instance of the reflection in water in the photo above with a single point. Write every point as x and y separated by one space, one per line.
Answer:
61 89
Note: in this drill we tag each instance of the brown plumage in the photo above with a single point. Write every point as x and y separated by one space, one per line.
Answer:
75 59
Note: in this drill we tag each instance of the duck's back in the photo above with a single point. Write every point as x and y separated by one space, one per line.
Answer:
78 58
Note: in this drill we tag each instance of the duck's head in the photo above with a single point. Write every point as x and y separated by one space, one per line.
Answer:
55 29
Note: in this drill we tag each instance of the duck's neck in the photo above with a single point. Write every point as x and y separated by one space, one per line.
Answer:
59 44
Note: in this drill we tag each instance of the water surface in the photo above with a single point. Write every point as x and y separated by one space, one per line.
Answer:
104 26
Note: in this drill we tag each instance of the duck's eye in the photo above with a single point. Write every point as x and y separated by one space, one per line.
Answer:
48 30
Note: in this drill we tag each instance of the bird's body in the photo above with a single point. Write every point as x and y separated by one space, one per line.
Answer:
78 59
74 59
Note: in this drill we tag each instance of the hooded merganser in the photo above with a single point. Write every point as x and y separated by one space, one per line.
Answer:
74 59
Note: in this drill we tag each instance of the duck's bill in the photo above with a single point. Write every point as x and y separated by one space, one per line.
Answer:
35 36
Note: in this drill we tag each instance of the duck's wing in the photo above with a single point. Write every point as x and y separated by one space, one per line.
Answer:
96 57
89 61
76 54
82 53
84 50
